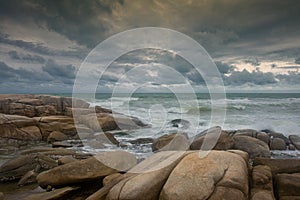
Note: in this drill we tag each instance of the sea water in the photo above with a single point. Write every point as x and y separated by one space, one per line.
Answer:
278 112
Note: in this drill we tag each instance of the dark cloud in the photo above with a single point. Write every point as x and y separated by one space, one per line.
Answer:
38 48
224 68
26 57
64 73
297 60
9 74
292 78
254 77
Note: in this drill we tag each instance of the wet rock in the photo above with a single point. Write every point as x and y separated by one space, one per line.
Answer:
254 147
219 175
54 194
170 142
63 144
277 144
107 138
141 141
274 134
221 139
292 147
180 123
56 136
87 170
151 175
280 165
288 185
295 140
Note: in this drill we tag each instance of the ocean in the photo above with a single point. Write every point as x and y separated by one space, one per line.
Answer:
191 114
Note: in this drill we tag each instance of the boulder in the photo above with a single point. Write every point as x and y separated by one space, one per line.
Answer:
292 147
106 138
254 147
1 196
274 134
93 168
277 144
222 140
219 175
110 178
28 178
170 142
152 174
56 136
65 159
258 194
63 144
253 133
295 140
288 185
279 165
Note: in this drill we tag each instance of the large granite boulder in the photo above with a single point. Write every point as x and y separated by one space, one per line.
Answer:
149 177
254 147
219 175
170 142
274 134
93 168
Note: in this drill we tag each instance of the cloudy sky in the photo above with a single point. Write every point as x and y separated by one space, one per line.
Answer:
254 43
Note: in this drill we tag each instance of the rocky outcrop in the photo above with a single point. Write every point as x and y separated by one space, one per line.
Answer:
36 105
253 133
254 147
55 194
170 142
93 168
219 175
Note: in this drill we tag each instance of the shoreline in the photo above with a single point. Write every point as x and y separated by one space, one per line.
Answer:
47 121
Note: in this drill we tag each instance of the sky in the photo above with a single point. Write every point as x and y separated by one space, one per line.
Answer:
254 43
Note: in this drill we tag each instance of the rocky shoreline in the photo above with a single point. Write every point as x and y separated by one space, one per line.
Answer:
239 166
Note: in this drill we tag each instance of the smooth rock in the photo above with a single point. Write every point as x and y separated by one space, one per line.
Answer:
63 144
277 144
253 133
2 196
106 138
66 159
108 179
56 136
28 178
279 165
258 194
292 147
288 184
152 174
254 147
221 139
217 173
170 142
274 134
87 170
295 140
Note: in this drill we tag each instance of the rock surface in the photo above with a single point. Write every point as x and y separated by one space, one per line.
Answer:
55 194
219 175
288 185
170 142
277 144
279 165
87 170
222 140
254 147
295 139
